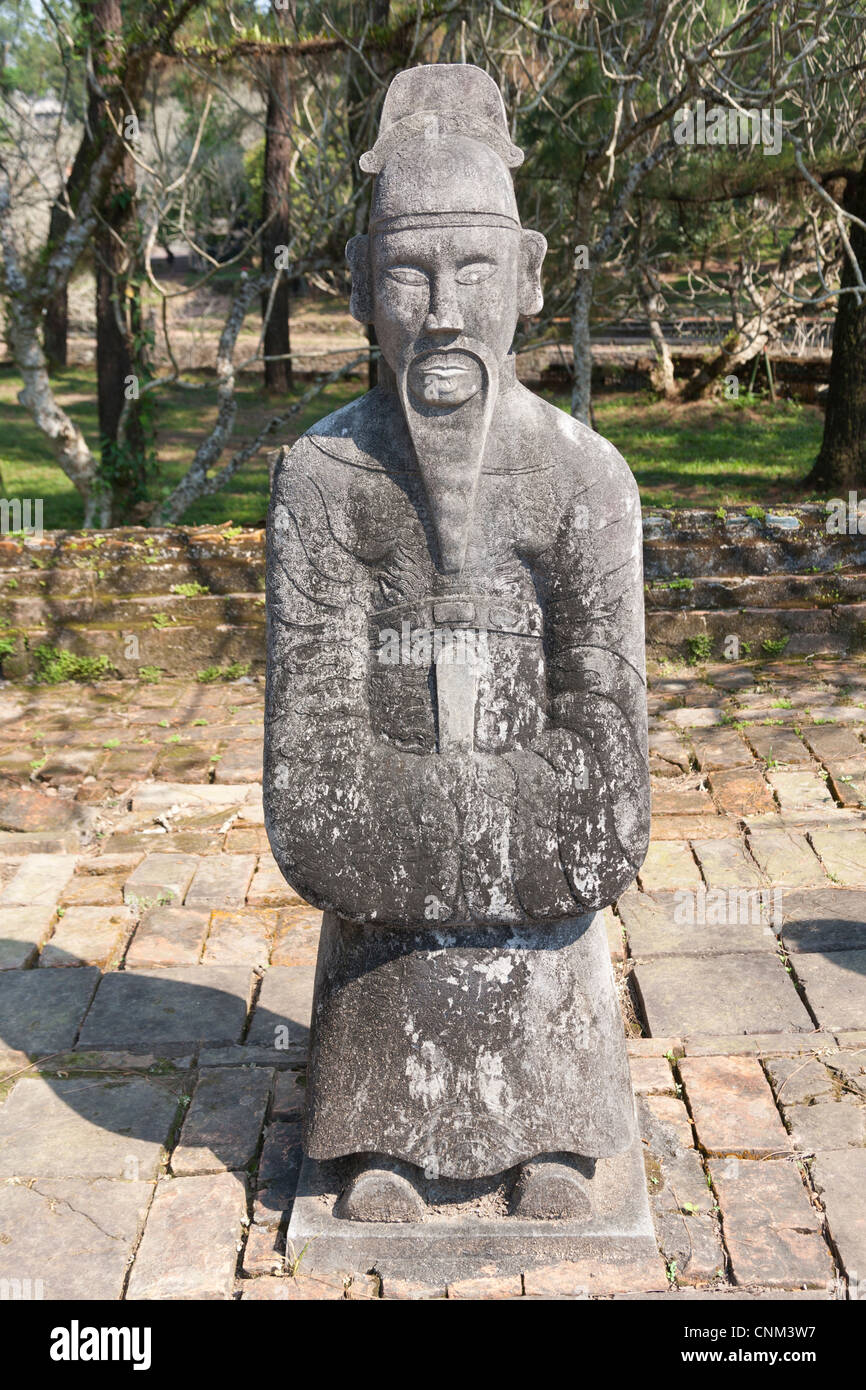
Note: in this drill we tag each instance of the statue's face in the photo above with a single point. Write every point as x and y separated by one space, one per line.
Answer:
437 290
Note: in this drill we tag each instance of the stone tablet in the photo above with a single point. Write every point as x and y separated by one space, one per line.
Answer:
456 750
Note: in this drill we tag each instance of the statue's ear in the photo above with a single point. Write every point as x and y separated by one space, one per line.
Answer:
533 248
358 256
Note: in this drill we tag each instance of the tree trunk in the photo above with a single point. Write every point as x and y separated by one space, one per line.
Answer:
276 212
119 371
55 321
581 305
652 299
363 95
841 463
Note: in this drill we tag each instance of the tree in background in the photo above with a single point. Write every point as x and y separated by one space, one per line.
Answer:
841 462
119 51
238 166
277 205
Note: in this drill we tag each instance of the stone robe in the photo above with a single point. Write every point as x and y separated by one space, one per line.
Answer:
465 1014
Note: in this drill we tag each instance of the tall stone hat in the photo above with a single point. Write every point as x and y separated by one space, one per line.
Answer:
441 99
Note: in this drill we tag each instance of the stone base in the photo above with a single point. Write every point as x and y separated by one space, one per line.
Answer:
467 1233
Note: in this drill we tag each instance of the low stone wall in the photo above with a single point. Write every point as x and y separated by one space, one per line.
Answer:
768 579
175 601
189 600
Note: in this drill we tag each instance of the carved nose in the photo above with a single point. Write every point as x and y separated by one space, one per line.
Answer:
444 317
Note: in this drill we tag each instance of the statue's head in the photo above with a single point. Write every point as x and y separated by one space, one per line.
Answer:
446 268
443 274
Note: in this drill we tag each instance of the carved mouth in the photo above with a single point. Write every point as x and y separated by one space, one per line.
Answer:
443 372
443 377
442 364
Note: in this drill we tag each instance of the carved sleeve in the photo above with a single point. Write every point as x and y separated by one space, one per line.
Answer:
378 834
596 674
354 825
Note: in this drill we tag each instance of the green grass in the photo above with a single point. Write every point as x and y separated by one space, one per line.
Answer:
28 468
713 453
707 454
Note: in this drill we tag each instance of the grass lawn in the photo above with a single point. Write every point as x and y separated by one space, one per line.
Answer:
706 454
713 452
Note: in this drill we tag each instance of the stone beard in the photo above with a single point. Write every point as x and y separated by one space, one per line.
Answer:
460 819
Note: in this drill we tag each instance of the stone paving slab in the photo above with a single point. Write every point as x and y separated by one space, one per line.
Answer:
709 827
592 1278
170 1009
680 1186
691 1247
241 937
39 881
843 854
771 1229
22 932
800 791
757 1044
665 1124
827 1125
168 936
72 1238
735 993
282 1014
664 924
269 888
264 1251
719 749
86 1128
741 790
159 796
41 1011
727 864
297 936
301 1290
224 1122
221 881
729 1063
733 1107
831 920
786 859
778 746
190 1245
835 986
88 936
160 880
95 890
669 864
840 1181
798 1082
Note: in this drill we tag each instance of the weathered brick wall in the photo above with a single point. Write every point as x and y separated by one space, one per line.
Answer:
183 599
762 578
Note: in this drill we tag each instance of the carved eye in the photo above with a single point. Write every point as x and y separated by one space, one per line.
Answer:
476 272
407 275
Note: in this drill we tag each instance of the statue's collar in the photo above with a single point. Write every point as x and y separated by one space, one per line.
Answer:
507 375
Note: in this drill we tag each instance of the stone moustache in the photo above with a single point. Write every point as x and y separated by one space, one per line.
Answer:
461 812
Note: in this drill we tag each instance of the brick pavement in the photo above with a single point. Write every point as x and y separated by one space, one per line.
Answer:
156 973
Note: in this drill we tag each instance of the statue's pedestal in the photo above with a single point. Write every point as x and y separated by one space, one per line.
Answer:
469 1232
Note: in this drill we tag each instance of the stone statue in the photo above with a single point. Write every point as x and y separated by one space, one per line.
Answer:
455 754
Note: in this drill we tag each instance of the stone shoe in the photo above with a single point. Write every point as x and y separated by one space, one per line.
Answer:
377 1193
551 1189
